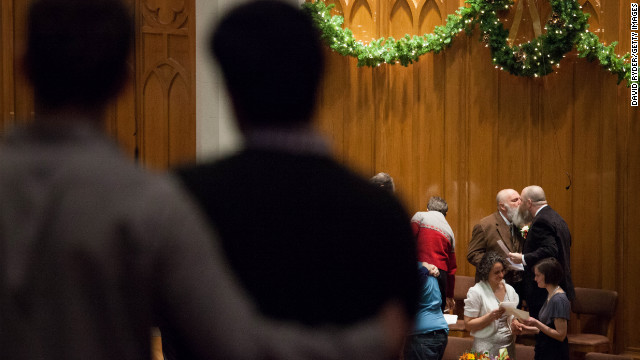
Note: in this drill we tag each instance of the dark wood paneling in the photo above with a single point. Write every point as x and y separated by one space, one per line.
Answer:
154 117
16 101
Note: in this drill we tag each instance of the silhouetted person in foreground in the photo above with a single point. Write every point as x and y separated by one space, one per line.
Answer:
94 250
310 240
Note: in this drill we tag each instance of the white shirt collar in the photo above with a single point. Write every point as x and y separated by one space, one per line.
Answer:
541 207
504 218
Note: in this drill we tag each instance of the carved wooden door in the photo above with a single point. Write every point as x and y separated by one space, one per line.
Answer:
154 118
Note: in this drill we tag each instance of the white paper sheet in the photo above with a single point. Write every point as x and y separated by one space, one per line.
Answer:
451 319
513 265
511 310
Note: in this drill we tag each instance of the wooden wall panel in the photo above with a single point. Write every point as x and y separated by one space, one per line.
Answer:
631 245
154 117
358 128
394 132
329 115
427 154
166 70
456 137
6 63
553 139
627 228
16 100
23 92
155 124
587 170
609 103
588 139
517 100
182 135
482 147
330 118
629 192
476 129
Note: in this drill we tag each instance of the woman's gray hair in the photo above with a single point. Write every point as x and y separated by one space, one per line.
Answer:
489 259
436 203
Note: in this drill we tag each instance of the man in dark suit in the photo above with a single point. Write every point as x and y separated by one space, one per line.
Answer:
548 236
495 227
309 239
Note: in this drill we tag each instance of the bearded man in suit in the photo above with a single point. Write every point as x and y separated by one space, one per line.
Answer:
499 226
548 236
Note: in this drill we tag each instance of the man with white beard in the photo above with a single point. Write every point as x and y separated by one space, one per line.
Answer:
548 236
501 225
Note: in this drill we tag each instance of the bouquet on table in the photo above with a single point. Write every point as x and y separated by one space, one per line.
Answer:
473 355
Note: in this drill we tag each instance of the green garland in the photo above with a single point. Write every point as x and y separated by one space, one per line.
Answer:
567 28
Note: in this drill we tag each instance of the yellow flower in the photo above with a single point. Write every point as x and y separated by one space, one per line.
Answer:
467 356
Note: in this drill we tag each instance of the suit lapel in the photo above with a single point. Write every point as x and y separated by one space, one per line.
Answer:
504 232
541 214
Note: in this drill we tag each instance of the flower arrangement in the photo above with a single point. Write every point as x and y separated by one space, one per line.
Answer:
524 231
473 355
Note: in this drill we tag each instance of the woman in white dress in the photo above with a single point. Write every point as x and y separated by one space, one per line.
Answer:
483 315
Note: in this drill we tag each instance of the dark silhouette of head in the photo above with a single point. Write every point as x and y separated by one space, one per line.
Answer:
271 57
77 51
383 181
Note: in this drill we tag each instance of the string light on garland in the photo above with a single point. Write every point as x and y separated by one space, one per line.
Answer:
567 28
556 20
521 56
485 39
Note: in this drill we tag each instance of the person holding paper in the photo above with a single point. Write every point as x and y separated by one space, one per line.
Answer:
551 327
484 316
499 227
430 336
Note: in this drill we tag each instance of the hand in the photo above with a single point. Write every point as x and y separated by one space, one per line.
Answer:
495 314
451 304
531 322
516 327
516 258
433 270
